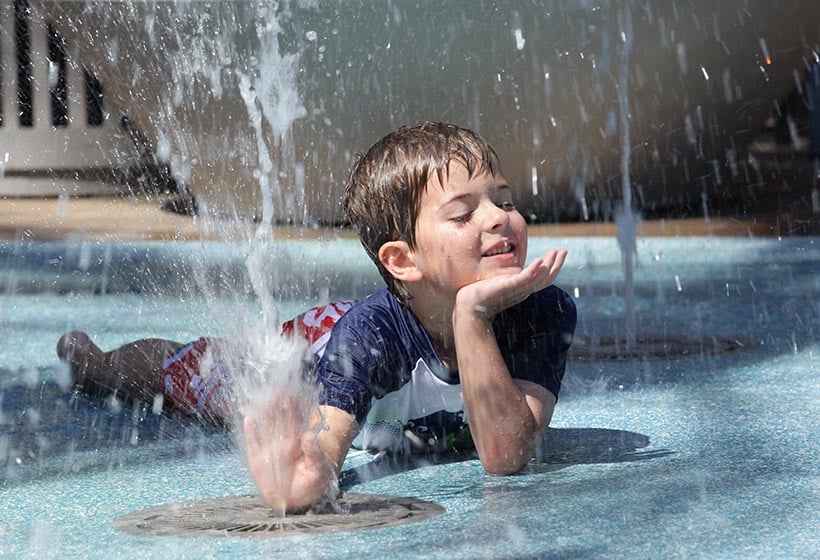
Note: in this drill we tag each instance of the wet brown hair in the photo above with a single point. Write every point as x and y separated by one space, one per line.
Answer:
383 194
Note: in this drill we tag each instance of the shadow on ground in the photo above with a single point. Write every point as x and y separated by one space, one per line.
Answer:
46 431
563 447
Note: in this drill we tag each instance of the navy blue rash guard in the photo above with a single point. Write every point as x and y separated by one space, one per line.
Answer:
380 366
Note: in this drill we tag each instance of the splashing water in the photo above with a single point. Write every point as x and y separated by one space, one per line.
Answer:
271 374
265 367
625 217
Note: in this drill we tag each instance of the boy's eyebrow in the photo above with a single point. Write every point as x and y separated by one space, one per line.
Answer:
457 197
470 194
503 188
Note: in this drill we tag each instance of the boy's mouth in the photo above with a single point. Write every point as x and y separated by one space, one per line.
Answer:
499 249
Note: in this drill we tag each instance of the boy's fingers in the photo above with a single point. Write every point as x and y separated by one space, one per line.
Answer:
542 271
554 260
561 257
558 262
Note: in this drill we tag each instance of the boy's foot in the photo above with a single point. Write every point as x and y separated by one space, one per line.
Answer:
73 344
82 355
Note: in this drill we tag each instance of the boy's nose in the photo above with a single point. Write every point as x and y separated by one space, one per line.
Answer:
497 217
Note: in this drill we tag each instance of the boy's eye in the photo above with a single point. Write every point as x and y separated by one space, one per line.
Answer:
463 218
506 205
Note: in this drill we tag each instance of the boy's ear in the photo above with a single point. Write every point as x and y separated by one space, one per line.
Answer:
397 258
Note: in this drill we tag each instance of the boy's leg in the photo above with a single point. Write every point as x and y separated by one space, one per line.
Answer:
134 369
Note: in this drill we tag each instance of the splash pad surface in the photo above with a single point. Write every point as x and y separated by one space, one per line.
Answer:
714 455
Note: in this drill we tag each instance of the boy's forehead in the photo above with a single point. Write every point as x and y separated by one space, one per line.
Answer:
456 176
453 175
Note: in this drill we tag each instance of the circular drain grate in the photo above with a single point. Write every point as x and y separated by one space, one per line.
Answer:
247 516
607 348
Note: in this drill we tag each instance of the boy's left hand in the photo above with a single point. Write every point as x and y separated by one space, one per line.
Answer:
284 456
493 295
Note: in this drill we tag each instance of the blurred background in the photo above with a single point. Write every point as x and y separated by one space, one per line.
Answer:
689 110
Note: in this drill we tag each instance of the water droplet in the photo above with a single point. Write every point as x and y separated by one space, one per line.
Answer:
156 406
534 179
519 39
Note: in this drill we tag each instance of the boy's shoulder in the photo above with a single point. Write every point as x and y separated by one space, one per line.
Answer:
551 309
378 333
381 315
378 306
552 298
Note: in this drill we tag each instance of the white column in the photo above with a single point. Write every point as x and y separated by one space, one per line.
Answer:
77 118
41 101
9 60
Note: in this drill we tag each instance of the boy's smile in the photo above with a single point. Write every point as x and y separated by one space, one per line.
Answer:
468 230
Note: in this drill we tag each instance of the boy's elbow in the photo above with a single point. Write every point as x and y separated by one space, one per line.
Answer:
502 470
507 454
505 465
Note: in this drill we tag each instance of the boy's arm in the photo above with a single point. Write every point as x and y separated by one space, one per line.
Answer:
291 462
335 440
507 416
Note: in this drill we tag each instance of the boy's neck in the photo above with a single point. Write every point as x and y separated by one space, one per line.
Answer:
437 319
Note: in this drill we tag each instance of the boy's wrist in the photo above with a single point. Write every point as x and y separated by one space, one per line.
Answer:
472 309
475 317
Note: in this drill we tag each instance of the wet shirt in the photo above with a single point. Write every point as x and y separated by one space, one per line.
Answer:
380 366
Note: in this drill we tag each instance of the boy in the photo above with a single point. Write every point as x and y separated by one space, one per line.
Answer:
465 346
464 334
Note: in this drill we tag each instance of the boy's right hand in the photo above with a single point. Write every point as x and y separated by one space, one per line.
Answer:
493 295
285 459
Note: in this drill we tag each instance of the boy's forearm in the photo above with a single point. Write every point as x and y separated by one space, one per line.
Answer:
336 429
502 423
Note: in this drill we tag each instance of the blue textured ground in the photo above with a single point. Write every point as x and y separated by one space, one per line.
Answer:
710 456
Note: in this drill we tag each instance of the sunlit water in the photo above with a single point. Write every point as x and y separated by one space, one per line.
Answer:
712 456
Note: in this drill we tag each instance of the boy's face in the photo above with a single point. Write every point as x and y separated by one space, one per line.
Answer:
468 230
